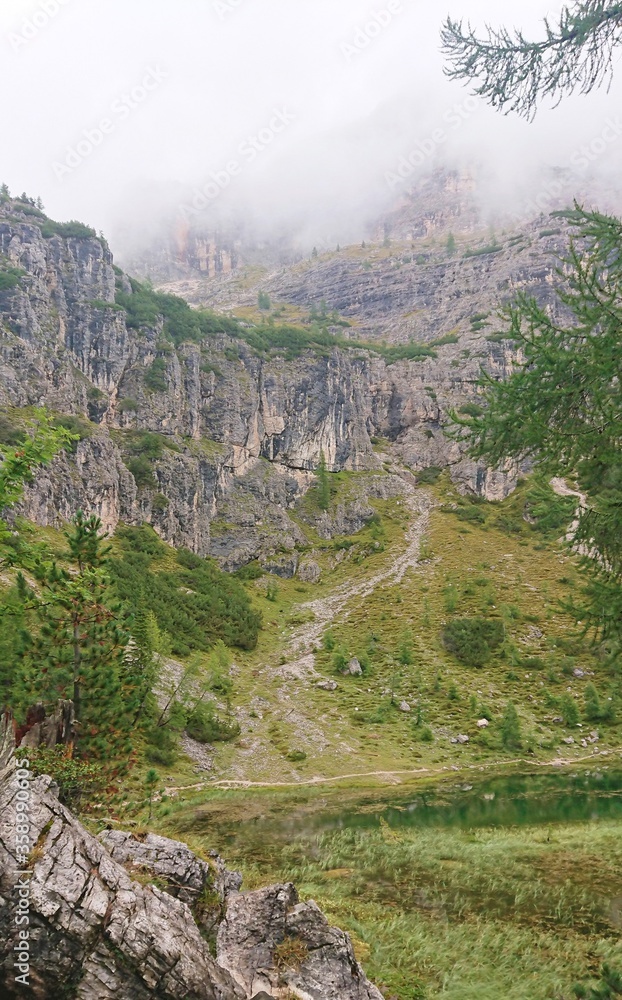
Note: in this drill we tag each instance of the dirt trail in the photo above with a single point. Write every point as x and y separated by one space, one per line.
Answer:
395 777
326 610
561 488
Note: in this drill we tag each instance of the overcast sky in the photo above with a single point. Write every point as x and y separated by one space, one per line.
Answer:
118 112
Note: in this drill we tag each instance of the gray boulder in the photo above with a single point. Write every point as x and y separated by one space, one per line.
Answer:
270 940
354 668
91 925
309 571
129 917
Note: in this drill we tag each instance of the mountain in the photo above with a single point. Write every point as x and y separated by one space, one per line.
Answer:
214 437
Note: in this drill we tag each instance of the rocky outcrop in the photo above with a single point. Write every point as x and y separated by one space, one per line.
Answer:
239 434
93 930
135 917
269 940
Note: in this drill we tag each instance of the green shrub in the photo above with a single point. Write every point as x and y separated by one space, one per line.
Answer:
448 338
340 659
534 663
10 278
491 248
205 725
510 727
67 230
155 376
252 571
11 432
471 409
195 603
328 641
142 471
472 640
424 734
594 711
128 405
78 426
569 711
429 476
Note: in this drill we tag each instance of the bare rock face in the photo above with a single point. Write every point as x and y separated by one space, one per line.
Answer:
91 926
124 917
269 940
182 874
241 433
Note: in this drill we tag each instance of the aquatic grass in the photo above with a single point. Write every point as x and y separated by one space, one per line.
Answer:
520 913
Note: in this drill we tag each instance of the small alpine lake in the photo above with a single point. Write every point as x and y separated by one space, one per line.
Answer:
462 888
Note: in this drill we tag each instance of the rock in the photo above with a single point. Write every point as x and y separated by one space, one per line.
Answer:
483 724
246 431
354 668
461 738
262 996
284 566
186 877
327 685
577 672
49 730
92 925
404 706
270 939
557 718
583 743
568 740
114 937
309 571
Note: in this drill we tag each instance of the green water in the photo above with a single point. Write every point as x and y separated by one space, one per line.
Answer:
508 888
517 800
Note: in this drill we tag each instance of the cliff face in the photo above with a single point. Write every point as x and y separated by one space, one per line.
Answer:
238 434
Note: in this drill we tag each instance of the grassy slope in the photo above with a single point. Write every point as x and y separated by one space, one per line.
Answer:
467 570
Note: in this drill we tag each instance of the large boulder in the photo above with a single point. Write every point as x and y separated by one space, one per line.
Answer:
270 940
92 927
132 917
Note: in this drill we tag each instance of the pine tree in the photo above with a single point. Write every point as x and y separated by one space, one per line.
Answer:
76 653
569 710
514 73
593 707
140 666
323 484
562 407
510 727
451 245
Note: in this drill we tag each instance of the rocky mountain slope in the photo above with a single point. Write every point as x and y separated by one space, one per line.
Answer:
213 441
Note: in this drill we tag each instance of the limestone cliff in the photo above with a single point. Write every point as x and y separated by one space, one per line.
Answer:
239 433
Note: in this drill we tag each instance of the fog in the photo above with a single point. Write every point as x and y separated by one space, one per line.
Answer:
314 115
